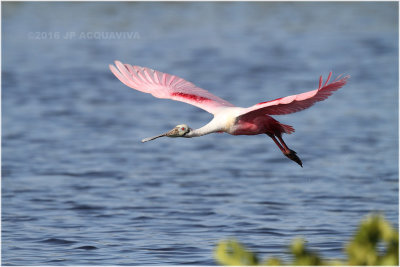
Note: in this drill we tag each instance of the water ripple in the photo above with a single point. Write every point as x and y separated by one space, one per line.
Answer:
79 188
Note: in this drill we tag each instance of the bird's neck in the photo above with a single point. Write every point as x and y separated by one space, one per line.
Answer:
217 124
206 129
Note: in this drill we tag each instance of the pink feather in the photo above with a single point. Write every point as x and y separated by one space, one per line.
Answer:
295 103
168 86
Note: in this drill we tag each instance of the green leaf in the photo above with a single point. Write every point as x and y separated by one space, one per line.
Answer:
232 253
362 249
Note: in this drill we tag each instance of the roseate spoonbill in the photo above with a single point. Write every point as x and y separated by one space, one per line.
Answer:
227 117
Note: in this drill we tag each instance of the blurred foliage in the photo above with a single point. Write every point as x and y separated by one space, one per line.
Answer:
374 243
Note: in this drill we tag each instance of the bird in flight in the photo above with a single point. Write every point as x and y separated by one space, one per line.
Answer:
227 117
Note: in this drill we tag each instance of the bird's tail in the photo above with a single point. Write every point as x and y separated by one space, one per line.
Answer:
287 128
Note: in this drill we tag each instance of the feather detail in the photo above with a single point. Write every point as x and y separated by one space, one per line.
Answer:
295 103
163 85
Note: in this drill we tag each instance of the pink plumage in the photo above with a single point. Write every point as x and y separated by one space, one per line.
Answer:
227 118
162 85
295 103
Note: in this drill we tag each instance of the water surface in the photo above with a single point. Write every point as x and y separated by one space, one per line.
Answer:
78 187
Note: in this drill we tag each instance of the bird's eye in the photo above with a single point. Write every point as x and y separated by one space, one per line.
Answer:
183 128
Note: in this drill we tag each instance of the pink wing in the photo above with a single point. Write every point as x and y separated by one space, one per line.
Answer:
168 86
295 103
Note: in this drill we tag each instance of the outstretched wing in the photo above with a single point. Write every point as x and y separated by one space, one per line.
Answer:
168 86
295 103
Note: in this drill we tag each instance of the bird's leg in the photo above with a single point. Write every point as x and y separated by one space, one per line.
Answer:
291 154
277 143
283 143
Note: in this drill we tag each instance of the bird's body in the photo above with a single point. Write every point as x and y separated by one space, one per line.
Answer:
229 120
227 117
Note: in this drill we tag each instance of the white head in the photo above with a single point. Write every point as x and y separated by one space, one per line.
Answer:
180 130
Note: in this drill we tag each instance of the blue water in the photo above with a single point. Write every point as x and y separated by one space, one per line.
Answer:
78 186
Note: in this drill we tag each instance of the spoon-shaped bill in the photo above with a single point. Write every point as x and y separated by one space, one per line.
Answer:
154 137
173 133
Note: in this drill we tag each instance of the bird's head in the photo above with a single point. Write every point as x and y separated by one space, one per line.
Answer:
180 130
